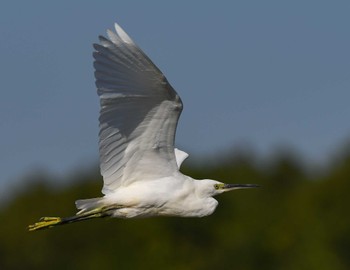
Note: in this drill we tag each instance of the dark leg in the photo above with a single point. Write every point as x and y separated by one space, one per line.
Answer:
49 222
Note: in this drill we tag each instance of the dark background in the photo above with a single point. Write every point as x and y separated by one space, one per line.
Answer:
298 219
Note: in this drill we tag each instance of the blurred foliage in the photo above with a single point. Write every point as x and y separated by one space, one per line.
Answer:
297 220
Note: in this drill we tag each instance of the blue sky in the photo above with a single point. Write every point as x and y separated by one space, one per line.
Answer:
258 73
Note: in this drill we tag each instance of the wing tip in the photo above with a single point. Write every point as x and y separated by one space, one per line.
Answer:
122 34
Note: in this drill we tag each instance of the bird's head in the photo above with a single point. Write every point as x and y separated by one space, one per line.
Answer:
208 187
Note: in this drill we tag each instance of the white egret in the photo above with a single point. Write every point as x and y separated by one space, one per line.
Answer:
138 161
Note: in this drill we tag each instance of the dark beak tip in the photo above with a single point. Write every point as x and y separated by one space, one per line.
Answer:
241 186
253 186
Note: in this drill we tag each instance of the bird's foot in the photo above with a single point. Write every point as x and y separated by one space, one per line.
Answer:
45 222
48 222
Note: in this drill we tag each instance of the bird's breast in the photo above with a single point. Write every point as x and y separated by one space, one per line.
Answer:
190 207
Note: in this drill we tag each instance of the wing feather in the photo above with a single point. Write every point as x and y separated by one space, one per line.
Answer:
138 116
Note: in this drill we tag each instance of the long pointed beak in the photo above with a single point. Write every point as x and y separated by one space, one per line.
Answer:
228 187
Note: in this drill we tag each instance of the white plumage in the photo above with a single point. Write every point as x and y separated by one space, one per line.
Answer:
139 114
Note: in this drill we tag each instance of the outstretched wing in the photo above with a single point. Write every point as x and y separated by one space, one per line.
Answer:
139 113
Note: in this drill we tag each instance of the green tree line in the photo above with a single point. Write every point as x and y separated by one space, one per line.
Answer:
298 219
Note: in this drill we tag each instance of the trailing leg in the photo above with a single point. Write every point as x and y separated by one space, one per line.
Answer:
49 222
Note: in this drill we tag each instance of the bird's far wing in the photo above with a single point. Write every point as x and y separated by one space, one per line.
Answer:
138 116
180 157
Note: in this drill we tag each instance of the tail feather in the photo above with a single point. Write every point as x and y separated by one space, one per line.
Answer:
88 204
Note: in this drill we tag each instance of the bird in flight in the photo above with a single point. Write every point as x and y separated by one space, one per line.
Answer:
138 161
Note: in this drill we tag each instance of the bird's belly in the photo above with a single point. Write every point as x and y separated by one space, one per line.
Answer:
135 212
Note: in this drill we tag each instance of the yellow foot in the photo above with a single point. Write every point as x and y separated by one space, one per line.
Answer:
45 222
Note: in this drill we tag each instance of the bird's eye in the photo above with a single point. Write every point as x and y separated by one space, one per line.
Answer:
216 186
